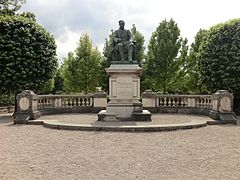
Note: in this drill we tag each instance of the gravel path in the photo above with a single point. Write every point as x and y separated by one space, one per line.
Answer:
33 152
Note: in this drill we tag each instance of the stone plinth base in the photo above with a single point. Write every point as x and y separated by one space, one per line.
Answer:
23 118
145 115
104 116
124 110
227 117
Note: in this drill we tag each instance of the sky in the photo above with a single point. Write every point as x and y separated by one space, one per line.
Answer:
67 20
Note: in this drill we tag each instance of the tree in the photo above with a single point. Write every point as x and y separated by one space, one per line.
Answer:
220 58
10 7
192 75
178 83
46 88
138 38
105 63
67 73
80 71
27 54
164 57
58 82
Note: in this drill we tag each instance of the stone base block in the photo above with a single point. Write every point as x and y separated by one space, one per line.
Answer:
124 110
226 117
104 116
121 112
22 118
145 115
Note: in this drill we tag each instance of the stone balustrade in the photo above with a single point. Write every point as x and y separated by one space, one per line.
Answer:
203 101
55 104
190 104
56 101
217 106
31 106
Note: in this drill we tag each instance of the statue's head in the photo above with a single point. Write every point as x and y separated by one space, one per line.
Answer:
121 24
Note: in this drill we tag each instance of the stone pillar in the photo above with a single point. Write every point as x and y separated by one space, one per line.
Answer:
26 107
191 102
222 106
149 99
100 99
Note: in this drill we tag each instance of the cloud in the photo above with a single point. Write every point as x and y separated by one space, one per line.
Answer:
68 19
67 42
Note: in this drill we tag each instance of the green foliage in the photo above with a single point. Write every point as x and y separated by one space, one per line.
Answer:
28 15
220 58
9 7
166 57
192 74
138 38
46 88
27 54
177 83
7 100
81 71
58 83
105 63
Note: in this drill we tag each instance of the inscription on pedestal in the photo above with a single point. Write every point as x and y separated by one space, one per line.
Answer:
124 88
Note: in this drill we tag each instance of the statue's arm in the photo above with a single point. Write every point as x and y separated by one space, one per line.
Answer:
115 38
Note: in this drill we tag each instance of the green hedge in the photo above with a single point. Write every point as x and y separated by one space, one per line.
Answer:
27 54
7 100
220 59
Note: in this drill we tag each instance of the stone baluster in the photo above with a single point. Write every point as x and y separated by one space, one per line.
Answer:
74 101
161 101
165 101
184 102
209 103
39 103
171 101
203 102
64 101
179 101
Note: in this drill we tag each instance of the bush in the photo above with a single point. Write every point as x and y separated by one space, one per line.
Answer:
27 54
220 58
7 100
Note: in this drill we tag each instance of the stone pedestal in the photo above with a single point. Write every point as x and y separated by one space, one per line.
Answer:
124 94
222 106
26 107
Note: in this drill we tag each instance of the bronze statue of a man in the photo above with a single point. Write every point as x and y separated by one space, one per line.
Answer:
122 40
